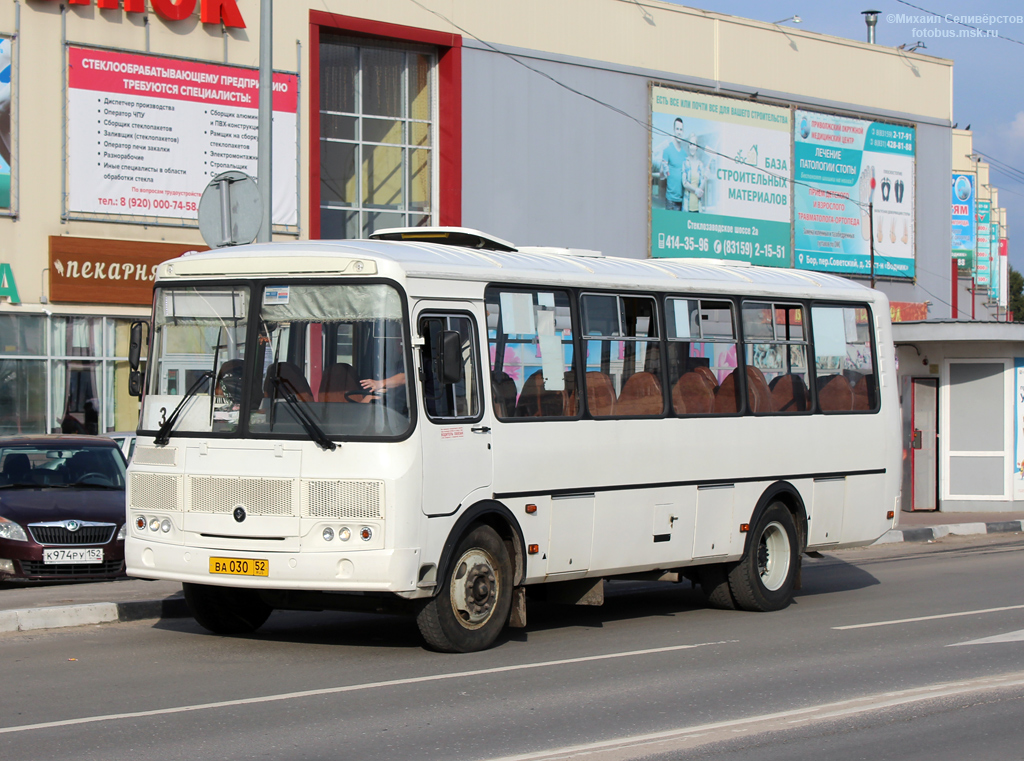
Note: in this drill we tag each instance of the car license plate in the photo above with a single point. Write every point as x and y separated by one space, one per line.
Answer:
240 566
65 556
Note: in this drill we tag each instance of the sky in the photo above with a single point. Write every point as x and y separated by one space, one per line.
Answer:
988 72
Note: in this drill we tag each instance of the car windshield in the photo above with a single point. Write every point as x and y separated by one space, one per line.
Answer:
324 360
61 466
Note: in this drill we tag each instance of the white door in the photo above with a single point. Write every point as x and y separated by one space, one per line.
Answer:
455 423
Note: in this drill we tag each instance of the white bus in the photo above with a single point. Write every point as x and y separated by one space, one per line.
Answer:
435 421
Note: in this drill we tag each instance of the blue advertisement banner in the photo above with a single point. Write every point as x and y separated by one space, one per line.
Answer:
965 239
845 172
983 272
5 123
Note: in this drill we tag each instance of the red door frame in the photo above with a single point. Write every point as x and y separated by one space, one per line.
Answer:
449 86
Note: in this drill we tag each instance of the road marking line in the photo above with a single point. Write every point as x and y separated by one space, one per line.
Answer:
673 739
356 687
929 618
1017 636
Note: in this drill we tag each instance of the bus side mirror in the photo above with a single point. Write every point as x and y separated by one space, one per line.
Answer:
134 356
450 354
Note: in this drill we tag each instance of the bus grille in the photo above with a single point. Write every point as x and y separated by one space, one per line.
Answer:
154 492
259 496
156 456
343 499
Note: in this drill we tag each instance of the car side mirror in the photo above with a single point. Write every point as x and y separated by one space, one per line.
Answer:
449 351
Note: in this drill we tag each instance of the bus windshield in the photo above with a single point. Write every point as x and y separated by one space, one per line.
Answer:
318 360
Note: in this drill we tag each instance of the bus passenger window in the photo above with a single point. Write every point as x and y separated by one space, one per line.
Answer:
623 356
530 341
844 359
701 356
451 400
775 349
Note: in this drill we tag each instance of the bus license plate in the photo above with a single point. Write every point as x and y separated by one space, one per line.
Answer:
239 566
63 557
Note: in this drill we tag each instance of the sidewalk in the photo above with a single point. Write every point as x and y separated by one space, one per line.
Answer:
54 606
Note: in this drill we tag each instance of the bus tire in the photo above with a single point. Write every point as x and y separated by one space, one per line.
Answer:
473 604
226 610
714 583
764 579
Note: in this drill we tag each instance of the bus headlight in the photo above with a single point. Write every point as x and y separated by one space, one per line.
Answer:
345 534
140 522
366 533
328 534
165 525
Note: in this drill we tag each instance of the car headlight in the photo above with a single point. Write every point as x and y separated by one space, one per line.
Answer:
123 532
11 530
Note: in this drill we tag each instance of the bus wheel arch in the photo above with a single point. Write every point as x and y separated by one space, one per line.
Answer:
766 576
480 564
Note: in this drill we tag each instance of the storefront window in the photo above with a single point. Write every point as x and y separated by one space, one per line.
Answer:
376 137
64 374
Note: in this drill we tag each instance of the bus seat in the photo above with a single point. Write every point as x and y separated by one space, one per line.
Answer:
340 379
292 380
641 395
759 396
503 394
708 374
693 394
536 401
789 393
727 395
572 399
863 390
834 393
600 394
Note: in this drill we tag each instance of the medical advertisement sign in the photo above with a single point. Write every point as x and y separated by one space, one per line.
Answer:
719 178
5 122
965 239
146 134
983 263
841 166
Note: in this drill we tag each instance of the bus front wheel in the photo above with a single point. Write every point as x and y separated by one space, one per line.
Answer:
472 607
224 610
763 580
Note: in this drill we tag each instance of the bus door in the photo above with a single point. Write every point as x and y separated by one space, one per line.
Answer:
456 426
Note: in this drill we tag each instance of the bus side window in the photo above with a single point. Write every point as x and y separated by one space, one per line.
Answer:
844 358
775 350
450 400
530 341
701 358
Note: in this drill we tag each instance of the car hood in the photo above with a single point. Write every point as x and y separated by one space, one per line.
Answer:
48 504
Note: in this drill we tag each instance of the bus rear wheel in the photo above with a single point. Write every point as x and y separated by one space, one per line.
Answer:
763 580
224 610
472 607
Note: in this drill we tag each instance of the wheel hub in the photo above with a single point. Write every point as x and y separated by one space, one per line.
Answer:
474 590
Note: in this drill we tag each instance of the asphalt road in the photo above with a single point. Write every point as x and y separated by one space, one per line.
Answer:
896 651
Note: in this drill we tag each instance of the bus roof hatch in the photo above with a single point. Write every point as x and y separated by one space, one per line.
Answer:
449 236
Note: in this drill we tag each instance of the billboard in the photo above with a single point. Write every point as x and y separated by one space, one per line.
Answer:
5 122
983 274
840 166
146 134
964 224
719 178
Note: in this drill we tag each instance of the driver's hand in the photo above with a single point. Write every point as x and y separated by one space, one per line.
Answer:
373 386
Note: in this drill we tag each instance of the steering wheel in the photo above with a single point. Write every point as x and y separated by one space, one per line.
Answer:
375 396
105 479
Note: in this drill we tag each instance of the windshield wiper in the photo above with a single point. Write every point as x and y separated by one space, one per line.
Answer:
163 434
300 410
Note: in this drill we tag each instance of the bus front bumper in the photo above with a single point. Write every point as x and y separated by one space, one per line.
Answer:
364 571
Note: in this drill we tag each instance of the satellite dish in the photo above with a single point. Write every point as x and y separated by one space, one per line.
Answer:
230 211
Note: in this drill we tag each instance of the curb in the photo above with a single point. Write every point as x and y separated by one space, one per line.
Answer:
60 616
931 533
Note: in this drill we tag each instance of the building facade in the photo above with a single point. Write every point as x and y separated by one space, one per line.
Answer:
634 128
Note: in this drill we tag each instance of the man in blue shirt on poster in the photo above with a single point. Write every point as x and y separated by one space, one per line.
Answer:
672 158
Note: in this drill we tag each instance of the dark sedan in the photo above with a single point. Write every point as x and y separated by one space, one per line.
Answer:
61 508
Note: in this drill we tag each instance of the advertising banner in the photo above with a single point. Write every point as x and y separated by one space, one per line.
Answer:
983 261
719 178
1018 429
5 123
965 239
146 134
1004 274
840 166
